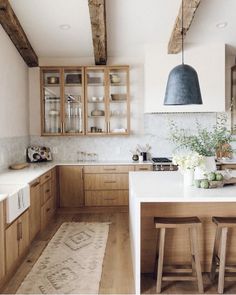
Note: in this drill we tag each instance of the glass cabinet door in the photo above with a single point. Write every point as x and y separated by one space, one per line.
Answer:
95 95
73 122
118 107
51 101
233 99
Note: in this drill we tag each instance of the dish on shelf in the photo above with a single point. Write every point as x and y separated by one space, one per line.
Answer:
73 78
114 78
52 98
118 96
94 80
97 113
53 80
54 112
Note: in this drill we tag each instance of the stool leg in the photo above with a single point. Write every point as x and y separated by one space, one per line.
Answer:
215 254
197 259
160 259
192 253
223 244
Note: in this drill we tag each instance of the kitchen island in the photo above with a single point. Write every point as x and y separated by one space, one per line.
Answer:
163 194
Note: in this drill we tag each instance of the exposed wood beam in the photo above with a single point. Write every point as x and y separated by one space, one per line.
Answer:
190 7
97 10
13 28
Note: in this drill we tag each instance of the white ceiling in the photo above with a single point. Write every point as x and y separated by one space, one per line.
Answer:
130 25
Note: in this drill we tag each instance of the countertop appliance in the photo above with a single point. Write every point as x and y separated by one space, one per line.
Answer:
163 164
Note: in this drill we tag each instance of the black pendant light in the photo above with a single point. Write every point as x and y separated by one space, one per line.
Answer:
183 85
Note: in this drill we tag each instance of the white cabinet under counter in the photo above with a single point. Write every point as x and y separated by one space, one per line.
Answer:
209 62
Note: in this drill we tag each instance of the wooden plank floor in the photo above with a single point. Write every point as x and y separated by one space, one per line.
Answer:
117 274
149 286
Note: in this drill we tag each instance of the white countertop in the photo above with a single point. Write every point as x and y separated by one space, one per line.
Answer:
168 187
27 175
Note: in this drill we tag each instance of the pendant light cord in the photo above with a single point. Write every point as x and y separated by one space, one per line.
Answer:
182 32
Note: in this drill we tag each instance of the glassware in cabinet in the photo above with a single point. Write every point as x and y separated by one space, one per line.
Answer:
73 101
95 96
51 101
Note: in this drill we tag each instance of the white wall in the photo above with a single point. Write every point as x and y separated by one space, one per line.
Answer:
13 90
209 62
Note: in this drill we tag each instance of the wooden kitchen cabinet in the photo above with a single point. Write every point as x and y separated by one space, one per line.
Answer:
71 186
107 185
107 100
2 242
47 195
35 209
143 167
62 100
17 240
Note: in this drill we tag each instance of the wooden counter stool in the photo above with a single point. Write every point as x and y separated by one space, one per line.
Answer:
219 251
191 223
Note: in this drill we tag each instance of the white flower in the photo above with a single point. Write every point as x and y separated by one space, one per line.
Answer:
187 161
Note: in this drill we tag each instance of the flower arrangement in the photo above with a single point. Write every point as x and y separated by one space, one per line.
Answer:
188 161
204 141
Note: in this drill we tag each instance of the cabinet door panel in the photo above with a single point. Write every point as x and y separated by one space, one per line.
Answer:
34 211
24 240
108 169
106 181
71 186
2 240
11 245
107 198
47 212
46 191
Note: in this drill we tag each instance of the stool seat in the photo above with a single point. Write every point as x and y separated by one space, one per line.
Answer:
174 222
191 224
224 221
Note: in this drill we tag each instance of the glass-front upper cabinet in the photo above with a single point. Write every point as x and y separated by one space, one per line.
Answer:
96 100
51 101
73 121
118 100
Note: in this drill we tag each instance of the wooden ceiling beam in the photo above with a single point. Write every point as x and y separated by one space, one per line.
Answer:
13 28
97 10
190 7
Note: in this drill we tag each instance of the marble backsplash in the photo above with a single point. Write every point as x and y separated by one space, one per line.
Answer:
13 150
155 133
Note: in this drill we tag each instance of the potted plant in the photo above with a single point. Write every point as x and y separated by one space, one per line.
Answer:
206 142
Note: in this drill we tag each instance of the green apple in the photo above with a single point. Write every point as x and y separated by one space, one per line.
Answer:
197 183
211 176
219 176
204 183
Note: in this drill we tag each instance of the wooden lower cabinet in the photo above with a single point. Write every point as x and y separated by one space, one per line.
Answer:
47 212
228 166
35 209
143 167
17 240
2 244
107 198
107 185
71 186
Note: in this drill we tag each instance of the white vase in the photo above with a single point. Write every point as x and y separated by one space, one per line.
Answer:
208 166
188 177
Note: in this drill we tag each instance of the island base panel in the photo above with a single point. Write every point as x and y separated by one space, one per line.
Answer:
177 246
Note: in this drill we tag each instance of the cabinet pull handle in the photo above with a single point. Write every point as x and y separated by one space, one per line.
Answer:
110 181
109 199
48 209
35 184
143 169
47 176
19 231
19 206
47 191
109 169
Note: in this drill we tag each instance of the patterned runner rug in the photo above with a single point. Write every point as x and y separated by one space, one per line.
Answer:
71 263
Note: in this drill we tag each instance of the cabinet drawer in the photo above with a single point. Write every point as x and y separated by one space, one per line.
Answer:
46 176
46 191
107 198
108 169
106 181
47 212
143 167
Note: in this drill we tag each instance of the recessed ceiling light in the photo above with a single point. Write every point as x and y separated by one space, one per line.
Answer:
222 25
65 27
